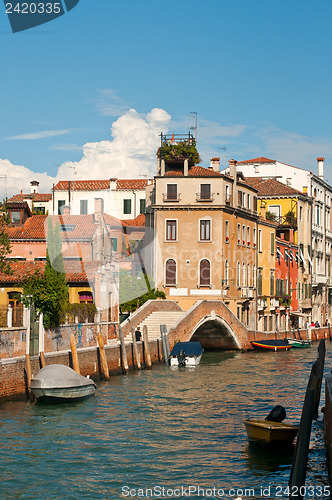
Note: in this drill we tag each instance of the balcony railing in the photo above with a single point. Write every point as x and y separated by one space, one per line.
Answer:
201 197
171 198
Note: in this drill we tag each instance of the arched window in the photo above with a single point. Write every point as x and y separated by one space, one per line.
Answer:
226 273
244 276
204 273
254 276
238 274
170 272
248 274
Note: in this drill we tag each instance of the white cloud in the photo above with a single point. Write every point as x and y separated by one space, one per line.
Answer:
131 153
13 178
34 136
108 103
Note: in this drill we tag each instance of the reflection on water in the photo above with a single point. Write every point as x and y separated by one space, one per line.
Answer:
159 427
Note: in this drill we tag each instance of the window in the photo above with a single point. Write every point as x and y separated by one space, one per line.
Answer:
239 194
272 243
227 230
239 234
260 282
271 282
171 230
300 214
61 203
142 206
317 215
248 235
227 193
244 275
248 275
254 237
275 210
244 199
248 201
85 297
127 207
238 274
205 193
83 207
15 217
204 273
172 191
260 242
40 210
205 230
243 235
226 274
255 203
114 243
254 275
170 272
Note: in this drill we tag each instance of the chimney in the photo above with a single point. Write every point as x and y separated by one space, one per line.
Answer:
99 206
215 164
34 187
65 210
320 162
263 210
232 169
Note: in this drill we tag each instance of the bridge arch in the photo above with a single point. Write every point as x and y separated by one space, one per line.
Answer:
214 332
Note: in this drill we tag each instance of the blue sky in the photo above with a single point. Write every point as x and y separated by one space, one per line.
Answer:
257 73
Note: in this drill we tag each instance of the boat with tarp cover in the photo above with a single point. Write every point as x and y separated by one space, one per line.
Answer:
186 354
271 345
59 383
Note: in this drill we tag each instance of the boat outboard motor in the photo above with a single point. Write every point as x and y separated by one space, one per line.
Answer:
181 358
278 414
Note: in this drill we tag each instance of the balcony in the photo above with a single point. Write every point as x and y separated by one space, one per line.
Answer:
319 279
200 197
171 198
274 303
247 292
261 303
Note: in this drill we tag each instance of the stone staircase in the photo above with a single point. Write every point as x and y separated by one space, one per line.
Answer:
153 322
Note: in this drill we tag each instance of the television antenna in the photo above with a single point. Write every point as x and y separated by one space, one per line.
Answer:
194 127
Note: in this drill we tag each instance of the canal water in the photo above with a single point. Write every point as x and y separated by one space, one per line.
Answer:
164 433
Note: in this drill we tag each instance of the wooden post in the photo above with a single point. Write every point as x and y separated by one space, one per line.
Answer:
28 376
135 350
42 359
73 348
103 359
123 352
147 354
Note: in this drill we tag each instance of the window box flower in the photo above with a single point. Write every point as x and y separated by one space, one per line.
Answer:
227 238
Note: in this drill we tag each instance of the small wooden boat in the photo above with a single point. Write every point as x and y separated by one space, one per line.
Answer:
270 433
59 383
298 343
186 354
271 345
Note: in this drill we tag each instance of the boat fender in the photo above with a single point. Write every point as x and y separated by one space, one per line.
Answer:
278 414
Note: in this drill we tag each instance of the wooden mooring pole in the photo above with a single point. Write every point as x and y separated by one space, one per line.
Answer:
136 357
124 359
28 374
147 355
42 359
309 412
74 355
103 359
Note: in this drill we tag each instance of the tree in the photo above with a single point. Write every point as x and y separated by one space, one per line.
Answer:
49 289
134 291
5 246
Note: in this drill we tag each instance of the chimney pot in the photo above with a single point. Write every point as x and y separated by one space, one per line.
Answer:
215 164
320 162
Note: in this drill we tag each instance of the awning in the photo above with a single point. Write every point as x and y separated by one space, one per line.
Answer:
302 258
279 254
303 315
286 253
310 261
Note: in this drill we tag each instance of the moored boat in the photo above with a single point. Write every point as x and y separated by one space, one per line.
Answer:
271 345
186 354
298 343
59 383
270 433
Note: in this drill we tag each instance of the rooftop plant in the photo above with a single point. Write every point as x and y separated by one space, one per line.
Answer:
179 151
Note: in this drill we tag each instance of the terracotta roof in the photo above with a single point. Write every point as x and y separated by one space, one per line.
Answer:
138 222
83 185
112 221
76 272
196 171
260 159
132 183
271 187
38 197
75 227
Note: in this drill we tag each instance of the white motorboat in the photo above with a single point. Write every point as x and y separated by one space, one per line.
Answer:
59 383
186 354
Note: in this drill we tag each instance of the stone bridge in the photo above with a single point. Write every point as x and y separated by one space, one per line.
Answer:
209 321
213 324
